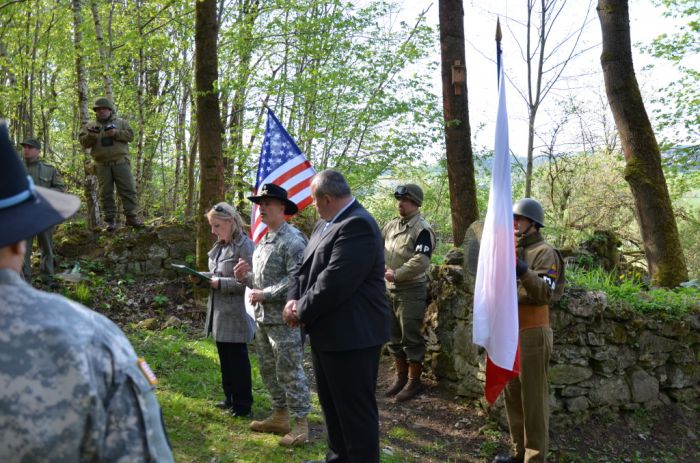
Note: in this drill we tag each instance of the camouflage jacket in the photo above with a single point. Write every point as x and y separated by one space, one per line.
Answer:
72 388
274 259
45 175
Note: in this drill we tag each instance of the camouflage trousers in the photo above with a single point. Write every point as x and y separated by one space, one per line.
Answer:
116 173
280 359
406 324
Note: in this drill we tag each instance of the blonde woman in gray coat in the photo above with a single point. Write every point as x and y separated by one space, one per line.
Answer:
227 321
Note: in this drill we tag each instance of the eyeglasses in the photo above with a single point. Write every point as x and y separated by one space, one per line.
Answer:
219 208
400 191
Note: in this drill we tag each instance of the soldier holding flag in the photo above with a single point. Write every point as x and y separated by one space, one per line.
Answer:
539 270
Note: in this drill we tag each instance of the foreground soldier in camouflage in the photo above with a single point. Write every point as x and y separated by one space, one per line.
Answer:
46 176
279 347
71 386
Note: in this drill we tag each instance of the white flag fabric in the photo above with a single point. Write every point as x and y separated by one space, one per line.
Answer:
495 323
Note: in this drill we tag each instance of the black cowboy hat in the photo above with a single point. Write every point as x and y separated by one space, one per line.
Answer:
25 209
270 190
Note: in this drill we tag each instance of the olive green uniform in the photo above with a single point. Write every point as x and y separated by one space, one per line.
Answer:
527 396
47 176
407 294
112 165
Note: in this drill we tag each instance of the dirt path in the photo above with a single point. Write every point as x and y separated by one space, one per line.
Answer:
438 427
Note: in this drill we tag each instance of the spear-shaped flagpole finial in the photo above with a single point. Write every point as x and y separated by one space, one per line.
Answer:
499 36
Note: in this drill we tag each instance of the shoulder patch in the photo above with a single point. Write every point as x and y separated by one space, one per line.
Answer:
552 272
147 372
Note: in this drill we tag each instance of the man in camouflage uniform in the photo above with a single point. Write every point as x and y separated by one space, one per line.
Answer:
408 244
280 349
540 272
47 176
108 138
72 386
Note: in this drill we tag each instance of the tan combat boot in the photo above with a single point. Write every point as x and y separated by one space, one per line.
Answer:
414 385
298 435
277 423
401 377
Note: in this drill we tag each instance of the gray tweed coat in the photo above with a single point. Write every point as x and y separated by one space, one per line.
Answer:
227 319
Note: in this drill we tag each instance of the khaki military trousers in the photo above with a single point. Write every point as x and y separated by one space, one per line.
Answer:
527 397
406 324
109 175
45 240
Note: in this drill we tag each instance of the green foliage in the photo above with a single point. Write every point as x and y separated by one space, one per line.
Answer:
677 103
490 447
82 293
160 300
336 73
631 290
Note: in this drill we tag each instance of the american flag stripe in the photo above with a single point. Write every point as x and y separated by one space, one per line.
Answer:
282 163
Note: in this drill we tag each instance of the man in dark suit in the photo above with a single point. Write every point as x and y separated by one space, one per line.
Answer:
338 296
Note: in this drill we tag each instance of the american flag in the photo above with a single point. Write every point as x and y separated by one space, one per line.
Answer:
282 163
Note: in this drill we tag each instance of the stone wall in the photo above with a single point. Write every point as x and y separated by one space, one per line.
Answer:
607 357
151 251
148 251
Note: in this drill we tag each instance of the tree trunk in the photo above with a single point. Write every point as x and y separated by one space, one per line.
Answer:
460 165
104 55
211 162
93 210
643 172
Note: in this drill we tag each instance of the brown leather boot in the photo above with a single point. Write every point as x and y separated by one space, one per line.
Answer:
401 377
298 435
414 385
277 423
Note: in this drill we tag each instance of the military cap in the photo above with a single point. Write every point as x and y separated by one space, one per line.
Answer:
103 102
531 209
410 191
25 209
33 142
270 190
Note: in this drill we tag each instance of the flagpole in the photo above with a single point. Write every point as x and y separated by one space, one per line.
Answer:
499 36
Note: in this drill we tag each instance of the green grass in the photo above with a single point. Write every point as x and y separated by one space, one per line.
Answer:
189 383
670 302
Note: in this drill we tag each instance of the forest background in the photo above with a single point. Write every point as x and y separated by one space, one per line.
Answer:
353 82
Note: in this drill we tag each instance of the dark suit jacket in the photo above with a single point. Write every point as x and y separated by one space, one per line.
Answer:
340 285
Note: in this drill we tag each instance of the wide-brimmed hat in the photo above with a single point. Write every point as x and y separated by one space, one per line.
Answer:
33 142
270 190
25 209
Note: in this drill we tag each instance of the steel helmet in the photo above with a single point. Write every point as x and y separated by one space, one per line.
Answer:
410 191
103 102
531 209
